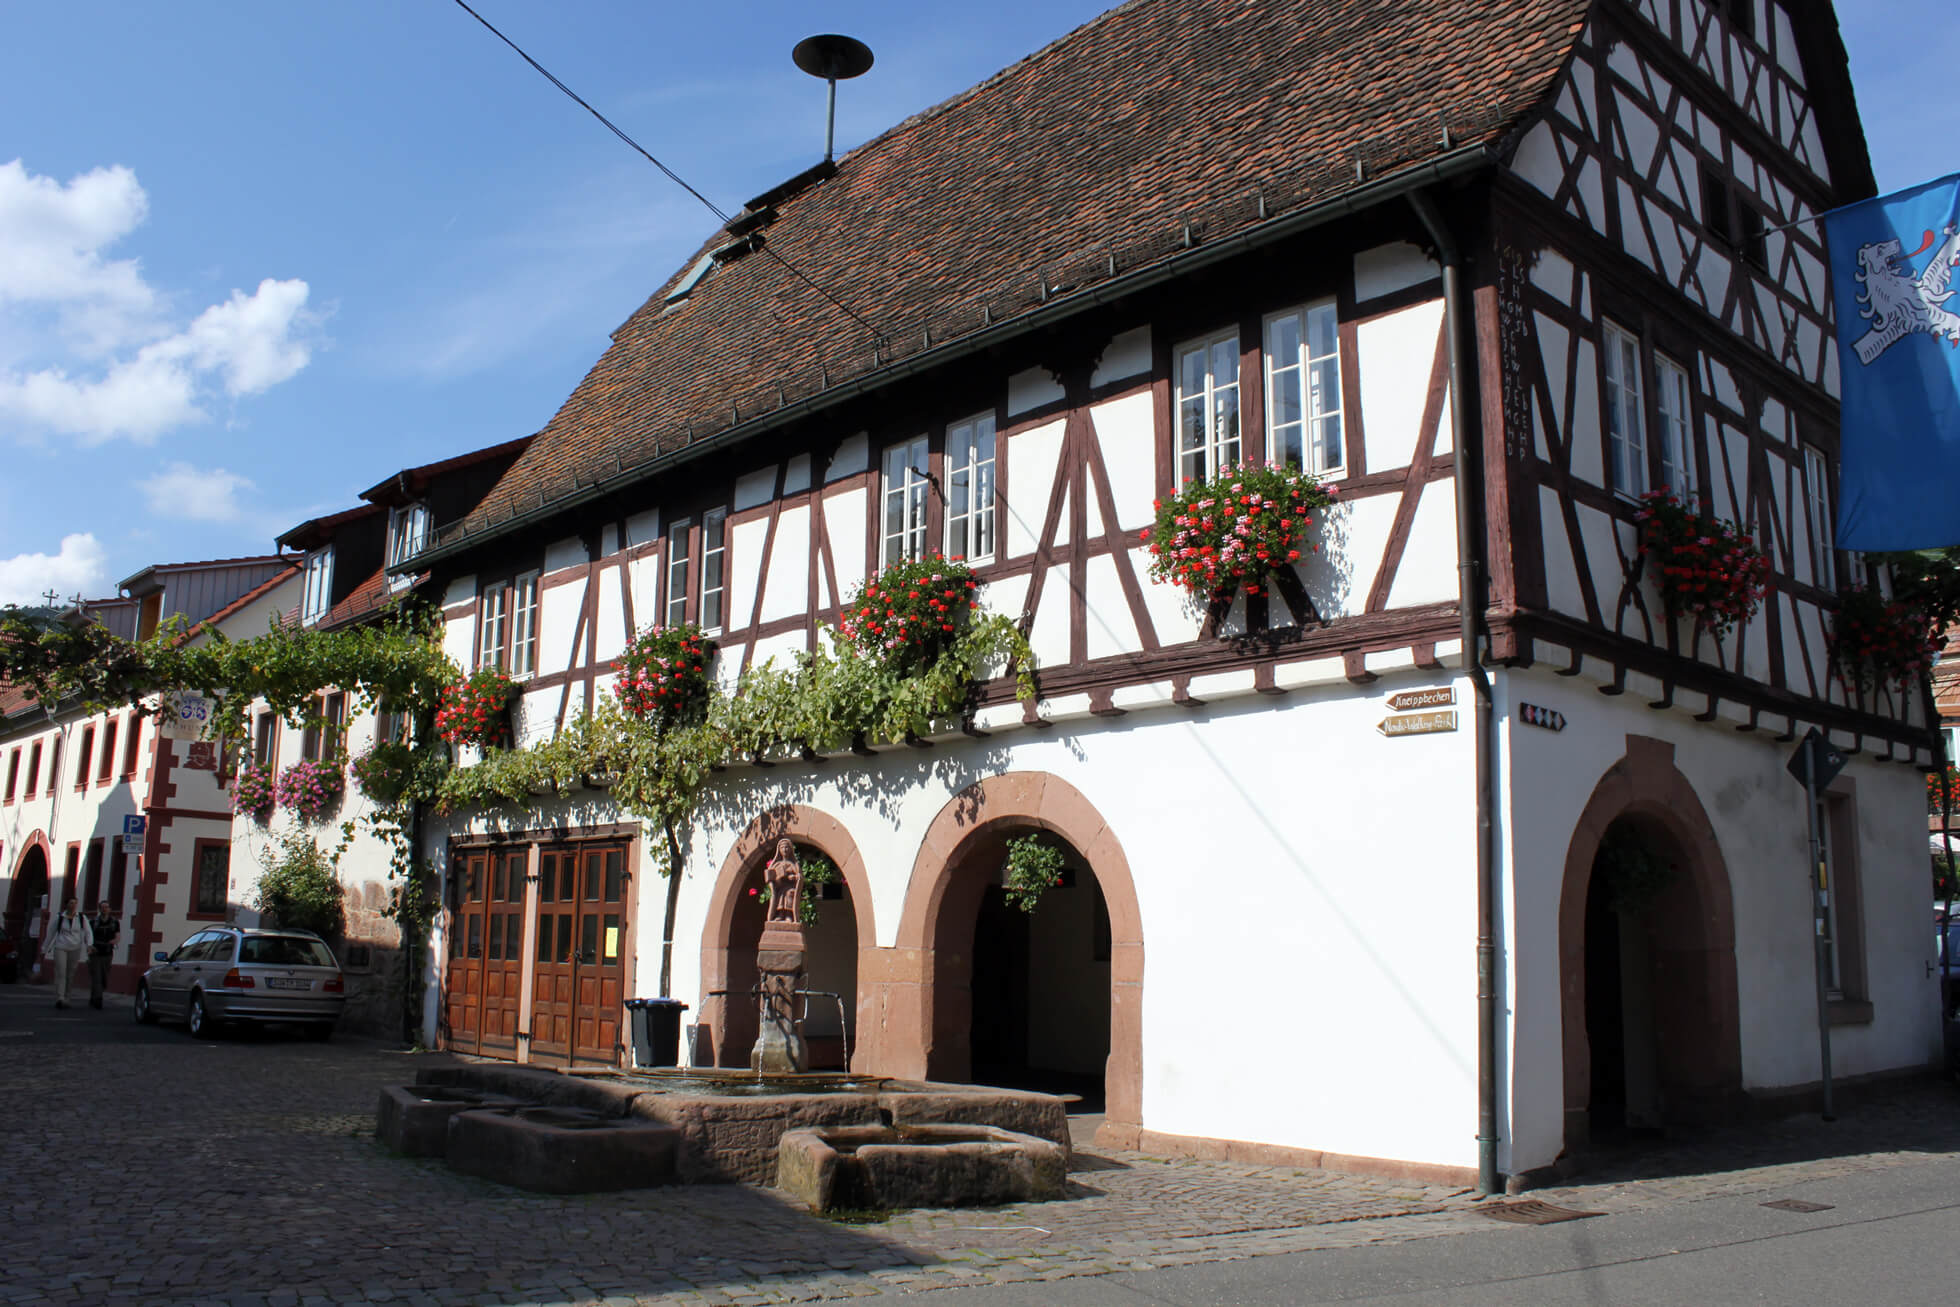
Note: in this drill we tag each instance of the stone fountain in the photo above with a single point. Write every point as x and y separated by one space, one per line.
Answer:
779 1047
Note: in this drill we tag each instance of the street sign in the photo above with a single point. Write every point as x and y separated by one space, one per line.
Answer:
1532 715
133 826
1435 697
184 715
1828 761
1417 723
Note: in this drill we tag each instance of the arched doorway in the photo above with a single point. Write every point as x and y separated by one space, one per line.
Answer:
1647 954
27 899
837 927
1040 997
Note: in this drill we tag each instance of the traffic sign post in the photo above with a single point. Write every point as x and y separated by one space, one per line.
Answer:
134 826
1817 764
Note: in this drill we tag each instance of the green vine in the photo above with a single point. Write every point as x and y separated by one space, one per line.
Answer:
1034 866
818 871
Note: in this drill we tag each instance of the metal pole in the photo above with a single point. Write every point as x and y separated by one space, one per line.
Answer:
1817 892
830 123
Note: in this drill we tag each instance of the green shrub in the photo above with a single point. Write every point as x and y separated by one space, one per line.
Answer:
299 888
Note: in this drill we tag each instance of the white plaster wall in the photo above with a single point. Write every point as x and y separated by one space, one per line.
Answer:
1396 353
1757 813
1032 456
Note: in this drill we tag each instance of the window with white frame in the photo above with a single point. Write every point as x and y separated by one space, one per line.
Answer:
507 633
318 594
1207 407
1676 427
1626 429
408 533
678 536
1817 491
1303 390
714 568
970 489
905 501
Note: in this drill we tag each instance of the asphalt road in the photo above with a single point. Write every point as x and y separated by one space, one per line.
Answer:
1890 1237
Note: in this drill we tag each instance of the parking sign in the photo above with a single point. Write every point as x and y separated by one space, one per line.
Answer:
134 825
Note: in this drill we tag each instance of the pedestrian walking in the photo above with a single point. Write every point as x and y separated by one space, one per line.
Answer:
103 929
68 941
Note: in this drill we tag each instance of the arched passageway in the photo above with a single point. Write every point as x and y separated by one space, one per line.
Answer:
1647 958
27 899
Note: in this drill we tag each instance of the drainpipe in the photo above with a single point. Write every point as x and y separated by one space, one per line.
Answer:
1469 553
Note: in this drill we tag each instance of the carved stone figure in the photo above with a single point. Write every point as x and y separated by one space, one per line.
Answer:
784 877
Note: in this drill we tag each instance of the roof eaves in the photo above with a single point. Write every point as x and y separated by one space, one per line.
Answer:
1447 166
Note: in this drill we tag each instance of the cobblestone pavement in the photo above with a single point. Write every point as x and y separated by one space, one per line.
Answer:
147 1167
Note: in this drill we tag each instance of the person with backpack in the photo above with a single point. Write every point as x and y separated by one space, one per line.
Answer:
103 929
68 941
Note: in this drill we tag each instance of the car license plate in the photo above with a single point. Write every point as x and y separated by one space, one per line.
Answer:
281 982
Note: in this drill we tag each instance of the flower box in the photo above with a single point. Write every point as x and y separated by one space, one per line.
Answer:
910 612
476 710
1707 569
1233 533
664 675
1876 641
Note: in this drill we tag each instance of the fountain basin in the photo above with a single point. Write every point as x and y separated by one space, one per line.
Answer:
865 1167
730 1124
414 1119
561 1150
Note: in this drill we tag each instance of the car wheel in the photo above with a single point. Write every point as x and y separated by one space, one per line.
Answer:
144 1012
199 1021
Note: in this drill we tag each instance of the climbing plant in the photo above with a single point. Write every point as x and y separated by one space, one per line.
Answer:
1034 866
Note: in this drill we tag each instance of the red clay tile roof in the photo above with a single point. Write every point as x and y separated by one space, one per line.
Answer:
386 491
368 598
1101 146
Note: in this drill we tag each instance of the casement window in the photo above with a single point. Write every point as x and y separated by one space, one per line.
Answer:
678 537
13 773
318 594
92 876
970 489
34 770
107 765
1731 218
906 486
1207 407
72 878
1676 427
408 535
211 878
265 739
714 569
1817 494
54 764
322 742
507 625
132 745
87 754
1303 390
1626 426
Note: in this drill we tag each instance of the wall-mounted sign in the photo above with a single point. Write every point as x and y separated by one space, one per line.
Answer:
1440 696
1532 715
201 755
133 826
1418 723
183 715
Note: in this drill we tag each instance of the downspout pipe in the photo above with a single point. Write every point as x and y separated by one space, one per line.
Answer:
1470 605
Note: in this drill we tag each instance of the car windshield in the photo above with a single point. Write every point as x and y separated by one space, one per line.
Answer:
285 951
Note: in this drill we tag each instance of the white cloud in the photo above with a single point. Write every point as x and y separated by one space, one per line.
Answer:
77 569
183 491
109 364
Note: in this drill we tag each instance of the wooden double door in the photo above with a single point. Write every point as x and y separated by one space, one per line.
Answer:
567 938
486 959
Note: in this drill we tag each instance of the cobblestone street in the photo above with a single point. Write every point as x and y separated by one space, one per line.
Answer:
146 1167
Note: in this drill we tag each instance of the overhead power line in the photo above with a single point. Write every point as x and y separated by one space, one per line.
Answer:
673 176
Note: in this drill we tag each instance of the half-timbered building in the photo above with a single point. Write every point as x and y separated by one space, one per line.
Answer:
1494 270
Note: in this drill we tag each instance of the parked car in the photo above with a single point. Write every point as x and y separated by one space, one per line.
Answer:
9 958
243 975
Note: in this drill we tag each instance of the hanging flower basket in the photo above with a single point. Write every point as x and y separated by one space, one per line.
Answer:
382 773
310 790
1935 794
1234 532
907 614
476 710
664 676
1876 641
252 792
1708 569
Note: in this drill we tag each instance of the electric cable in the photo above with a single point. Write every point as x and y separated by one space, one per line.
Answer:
673 176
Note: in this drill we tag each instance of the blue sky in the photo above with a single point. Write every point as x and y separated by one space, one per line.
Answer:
254 258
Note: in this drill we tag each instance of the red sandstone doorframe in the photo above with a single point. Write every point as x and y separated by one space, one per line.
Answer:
915 1032
725 967
1705 1020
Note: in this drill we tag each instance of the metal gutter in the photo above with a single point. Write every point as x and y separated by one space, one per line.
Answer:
1470 605
1461 162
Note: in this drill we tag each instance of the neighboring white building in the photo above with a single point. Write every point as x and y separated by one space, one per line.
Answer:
1185 235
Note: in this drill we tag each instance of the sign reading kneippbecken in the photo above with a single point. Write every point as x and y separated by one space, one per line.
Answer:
1440 696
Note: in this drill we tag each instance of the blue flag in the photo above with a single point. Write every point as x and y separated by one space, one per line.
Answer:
1893 269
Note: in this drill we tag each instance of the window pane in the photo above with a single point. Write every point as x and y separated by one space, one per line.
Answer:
567 878
564 937
594 867
714 556
496 953
514 935
615 879
588 944
475 935
677 559
544 937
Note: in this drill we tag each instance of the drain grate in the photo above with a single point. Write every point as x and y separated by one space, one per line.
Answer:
1798 1205
1533 1212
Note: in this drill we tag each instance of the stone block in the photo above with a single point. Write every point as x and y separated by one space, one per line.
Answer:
557 1150
918 1166
414 1119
